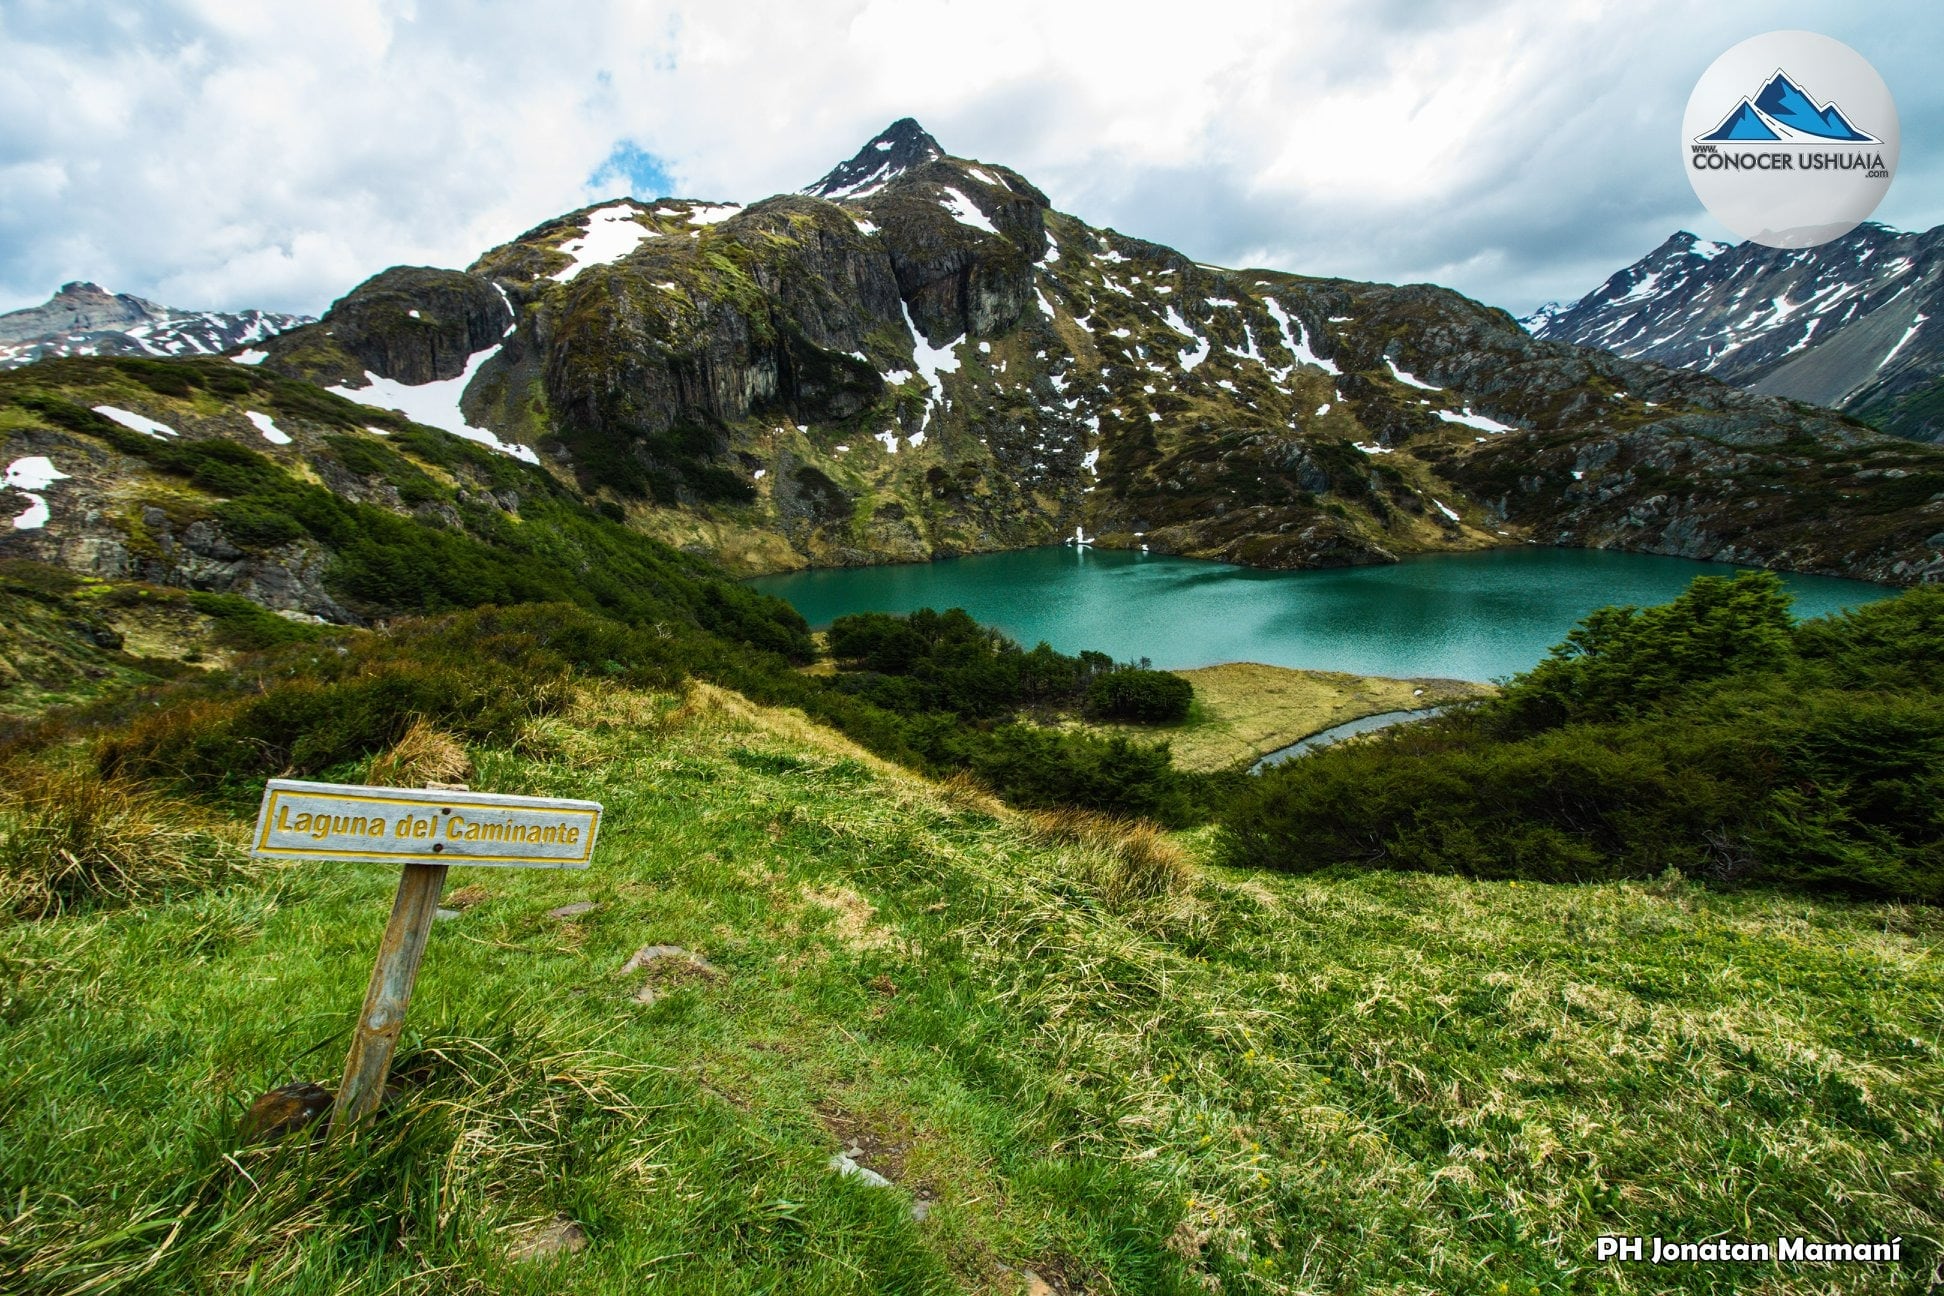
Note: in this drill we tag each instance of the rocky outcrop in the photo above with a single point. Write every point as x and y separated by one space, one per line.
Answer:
411 323
80 307
898 148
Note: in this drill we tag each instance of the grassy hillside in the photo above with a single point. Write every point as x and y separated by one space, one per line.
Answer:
1070 1050
346 513
68 639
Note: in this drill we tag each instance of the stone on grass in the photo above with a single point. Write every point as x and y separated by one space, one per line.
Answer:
845 1163
574 910
665 964
650 953
284 1111
559 1236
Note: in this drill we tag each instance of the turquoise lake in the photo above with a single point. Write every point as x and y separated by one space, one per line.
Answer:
1476 616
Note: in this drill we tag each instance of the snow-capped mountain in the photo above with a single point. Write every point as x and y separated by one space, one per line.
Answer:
898 148
1856 324
85 319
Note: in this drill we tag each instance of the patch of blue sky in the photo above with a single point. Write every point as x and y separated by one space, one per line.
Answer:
630 165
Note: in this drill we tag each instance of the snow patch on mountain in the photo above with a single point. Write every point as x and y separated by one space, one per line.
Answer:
966 212
610 234
1298 340
932 362
31 476
1409 380
266 425
436 404
1471 420
136 422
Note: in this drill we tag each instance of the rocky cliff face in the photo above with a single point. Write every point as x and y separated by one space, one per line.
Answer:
1856 324
921 357
413 324
85 319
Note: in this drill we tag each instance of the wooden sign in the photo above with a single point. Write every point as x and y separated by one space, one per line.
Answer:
426 830
333 821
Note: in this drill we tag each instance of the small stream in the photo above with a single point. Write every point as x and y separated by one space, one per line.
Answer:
1337 733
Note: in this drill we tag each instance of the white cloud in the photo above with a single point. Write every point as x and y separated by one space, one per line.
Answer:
237 154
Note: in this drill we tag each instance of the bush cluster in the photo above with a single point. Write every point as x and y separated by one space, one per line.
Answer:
941 691
311 707
946 661
71 840
1143 696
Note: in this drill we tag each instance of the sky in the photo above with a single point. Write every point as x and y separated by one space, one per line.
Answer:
222 155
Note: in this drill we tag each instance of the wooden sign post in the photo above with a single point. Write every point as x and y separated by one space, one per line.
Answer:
427 831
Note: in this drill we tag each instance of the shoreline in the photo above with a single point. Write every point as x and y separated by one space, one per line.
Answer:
1244 711
745 576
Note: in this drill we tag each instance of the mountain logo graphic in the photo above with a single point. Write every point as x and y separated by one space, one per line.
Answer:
1790 139
1781 112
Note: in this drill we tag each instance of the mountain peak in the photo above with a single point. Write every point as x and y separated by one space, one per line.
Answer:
897 148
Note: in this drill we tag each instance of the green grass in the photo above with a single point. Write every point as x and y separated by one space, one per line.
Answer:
1333 1083
1245 710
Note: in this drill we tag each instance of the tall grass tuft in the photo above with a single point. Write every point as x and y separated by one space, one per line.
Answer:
425 754
1130 859
76 840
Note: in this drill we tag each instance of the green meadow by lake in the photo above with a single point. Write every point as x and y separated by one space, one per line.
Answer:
1477 616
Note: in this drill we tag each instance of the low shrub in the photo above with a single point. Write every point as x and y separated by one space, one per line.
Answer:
1132 859
425 754
247 627
1142 696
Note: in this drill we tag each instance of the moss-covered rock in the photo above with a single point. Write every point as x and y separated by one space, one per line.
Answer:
412 323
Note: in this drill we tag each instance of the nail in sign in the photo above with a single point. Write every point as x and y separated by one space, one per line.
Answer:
332 821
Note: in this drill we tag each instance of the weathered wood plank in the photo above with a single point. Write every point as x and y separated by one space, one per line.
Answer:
388 995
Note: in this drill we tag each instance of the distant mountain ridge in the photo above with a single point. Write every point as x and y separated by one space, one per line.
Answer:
1856 324
85 319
